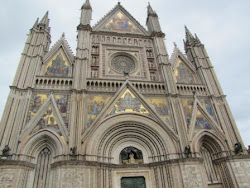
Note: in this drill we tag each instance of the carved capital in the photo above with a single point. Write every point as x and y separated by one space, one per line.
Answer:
157 34
84 27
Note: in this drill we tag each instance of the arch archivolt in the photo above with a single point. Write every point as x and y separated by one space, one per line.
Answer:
32 145
118 132
210 139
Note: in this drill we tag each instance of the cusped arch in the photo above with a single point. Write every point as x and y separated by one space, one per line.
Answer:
211 140
123 130
40 140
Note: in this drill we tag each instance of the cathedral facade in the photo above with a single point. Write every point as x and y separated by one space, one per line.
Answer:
121 113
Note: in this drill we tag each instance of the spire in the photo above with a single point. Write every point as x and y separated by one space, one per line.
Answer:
45 19
150 10
86 13
86 5
189 36
197 39
36 23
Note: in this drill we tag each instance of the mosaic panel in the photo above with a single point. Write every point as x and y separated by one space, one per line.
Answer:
120 23
48 121
188 109
128 103
183 74
62 104
95 105
161 107
201 123
36 103
206 103
58 65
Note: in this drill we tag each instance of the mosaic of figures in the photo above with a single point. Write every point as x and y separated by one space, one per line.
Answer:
188 109
201 123
128 103
48 121
58 66
183 74
206 103
39 99
160 106
120 23
95 105
121 40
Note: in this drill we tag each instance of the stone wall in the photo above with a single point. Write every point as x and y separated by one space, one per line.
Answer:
241 170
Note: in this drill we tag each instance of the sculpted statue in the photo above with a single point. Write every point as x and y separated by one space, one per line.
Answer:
237 148
73 150
187 150
6 151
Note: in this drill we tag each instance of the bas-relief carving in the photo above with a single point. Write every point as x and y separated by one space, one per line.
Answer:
160 106
120 23
58 65
74 177
192 176
128 103
242 173
7 177
183 74
95 105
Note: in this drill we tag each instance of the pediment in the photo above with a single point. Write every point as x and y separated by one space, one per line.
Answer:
119 20
129 101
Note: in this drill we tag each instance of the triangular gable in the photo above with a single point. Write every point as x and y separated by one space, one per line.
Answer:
40 98
48 117
128 103
120 21
184 70
135 103
202 121
58 65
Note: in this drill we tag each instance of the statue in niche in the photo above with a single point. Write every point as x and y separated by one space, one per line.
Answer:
5 152
238 148
187 151
131 155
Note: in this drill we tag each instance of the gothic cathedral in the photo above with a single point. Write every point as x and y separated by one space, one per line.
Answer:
121 113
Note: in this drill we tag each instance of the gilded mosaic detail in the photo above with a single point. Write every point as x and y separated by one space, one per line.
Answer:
39 99
120 23
58 65
188 109
183 74
95 105
206 103
160 106
201 123
48 121
36 103
128 103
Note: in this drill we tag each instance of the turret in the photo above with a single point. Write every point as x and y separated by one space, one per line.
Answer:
153 21
86 13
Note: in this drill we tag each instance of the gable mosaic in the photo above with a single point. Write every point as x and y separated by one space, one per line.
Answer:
58 65
183 74
120 23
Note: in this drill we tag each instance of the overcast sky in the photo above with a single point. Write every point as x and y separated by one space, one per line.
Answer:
223 26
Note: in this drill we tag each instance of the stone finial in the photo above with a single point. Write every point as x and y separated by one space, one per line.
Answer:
86 5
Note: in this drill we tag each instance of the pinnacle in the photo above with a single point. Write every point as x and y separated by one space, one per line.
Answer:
86 5
36 23
150 10
45 19
189 36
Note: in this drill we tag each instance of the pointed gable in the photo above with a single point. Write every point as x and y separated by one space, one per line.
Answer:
128 103
120 21
184 70
201 123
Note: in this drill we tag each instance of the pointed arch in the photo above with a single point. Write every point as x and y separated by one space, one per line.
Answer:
32 145
140 131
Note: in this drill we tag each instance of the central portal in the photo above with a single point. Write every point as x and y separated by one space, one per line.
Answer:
133 182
